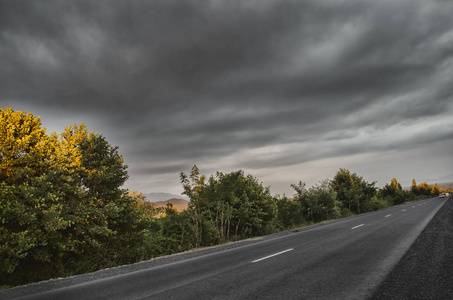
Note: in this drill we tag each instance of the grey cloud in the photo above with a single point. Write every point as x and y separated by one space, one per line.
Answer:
180 82
145 169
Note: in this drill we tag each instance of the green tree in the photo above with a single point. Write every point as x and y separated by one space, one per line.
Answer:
228 206
290 213
31 213
369 191
319 201
353 191
193 185
342 183
253 210
220 204
177 231
393 194
62 208
328 206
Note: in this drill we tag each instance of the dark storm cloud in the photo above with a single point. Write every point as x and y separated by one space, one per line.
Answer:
247 83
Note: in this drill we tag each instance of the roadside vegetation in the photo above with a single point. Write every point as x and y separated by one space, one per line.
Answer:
63 211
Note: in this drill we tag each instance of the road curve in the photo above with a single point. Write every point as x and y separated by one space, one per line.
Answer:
342 259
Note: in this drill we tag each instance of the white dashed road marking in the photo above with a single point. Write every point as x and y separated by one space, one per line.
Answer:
357 226
272 255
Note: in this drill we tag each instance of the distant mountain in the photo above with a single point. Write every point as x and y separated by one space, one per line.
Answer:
154 197
179 204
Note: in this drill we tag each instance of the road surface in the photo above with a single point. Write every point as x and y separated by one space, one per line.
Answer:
342 259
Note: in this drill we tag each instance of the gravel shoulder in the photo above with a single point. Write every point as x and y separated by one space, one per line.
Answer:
426 270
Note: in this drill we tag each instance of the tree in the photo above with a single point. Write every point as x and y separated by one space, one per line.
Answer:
329 207
193 185
30 215
290 213
220 207
425 189
253 208
301 191
368 190
353 191
177 231
414 187
62 207
393 194
319 201
394 183
435 190
342 183
23 146
228 205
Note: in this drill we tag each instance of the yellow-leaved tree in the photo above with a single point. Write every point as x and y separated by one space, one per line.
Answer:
62 209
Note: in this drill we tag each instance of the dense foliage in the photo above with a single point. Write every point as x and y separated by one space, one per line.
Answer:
228 206
62 209
63 212
425 189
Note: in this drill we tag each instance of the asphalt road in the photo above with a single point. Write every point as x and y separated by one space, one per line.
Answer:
342 259
425 271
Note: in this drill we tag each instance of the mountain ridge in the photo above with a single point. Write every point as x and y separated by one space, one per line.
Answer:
155 197
179 204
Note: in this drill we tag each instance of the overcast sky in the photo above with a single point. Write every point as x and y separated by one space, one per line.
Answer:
284 90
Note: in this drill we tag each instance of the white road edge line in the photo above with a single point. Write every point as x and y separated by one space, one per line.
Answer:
388 216
275 254
357 226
